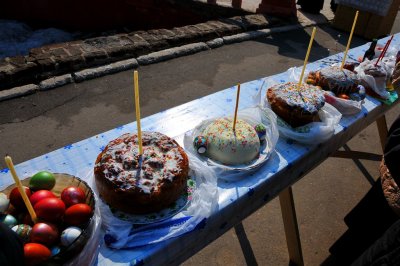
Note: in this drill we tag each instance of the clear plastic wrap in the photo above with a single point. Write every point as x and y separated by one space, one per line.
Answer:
312 133
123 233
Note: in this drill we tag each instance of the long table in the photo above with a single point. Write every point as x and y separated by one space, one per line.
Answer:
289 163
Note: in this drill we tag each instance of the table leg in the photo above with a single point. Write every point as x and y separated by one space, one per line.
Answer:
382 129
291 227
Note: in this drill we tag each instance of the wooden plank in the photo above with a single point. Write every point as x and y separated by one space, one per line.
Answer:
291 227
382 130
357 155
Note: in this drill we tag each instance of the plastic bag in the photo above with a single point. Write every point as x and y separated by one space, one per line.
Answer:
345 107
377 84
203 202
254 116
312 133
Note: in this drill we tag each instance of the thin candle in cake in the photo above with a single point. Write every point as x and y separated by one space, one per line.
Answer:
307 55
236 107
349 41
384 50
137 105
21 189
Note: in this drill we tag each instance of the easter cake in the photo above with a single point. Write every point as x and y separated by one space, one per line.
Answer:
339 81
141 184
296 106
220 142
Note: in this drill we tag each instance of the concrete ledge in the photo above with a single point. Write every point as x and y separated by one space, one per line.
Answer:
218 42
91 73
55 82
241 37
18 91
172 53
286 28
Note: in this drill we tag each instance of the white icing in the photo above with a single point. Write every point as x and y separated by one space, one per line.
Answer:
160 161
229 147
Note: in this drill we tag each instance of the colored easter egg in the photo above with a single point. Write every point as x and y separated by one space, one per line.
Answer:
261 131
50 209
4 203
26 219
44 233
16 198
69 235
35 253
8 220
39 195
344 96
42 180
23 230
73 195
55 250
78 214
361 91
200 144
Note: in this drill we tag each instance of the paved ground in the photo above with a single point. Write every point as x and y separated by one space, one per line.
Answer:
42 122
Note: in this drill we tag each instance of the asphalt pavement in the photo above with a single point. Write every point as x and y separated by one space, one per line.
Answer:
42 122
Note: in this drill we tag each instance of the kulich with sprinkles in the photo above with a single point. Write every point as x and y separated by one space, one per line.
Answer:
296 106
142 186
231 147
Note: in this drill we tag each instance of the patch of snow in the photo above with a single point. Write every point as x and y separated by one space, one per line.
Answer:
17 38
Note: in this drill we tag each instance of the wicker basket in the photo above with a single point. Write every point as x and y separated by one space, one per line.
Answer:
390 189
62 181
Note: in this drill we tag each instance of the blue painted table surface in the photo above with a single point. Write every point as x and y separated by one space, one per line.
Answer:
288 164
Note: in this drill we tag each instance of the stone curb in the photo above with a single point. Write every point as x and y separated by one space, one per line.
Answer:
151 58
18 91
96 72
55 82
172 53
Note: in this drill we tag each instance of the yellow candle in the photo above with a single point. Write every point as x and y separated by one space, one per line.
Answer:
139 129
21 189
349 41
236 108
307 55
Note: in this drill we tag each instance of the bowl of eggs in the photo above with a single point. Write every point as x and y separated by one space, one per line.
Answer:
64 206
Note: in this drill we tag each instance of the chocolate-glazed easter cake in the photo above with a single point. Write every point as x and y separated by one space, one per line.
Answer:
296 106
339 81
130 186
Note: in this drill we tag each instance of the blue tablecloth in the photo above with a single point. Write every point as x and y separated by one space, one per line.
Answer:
78 159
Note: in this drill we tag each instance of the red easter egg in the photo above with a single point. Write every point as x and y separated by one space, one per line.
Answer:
16 198
73 195
344 96
39 195
35 253
78 214
50 209
44 233
26 219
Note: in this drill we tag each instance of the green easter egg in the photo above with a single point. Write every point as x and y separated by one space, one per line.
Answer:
8 220
42 180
